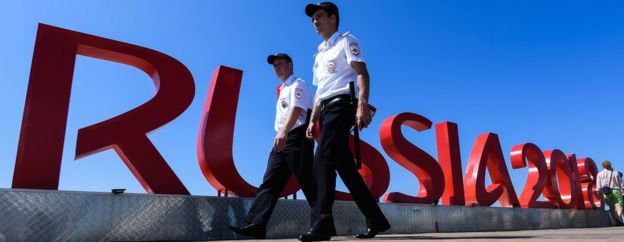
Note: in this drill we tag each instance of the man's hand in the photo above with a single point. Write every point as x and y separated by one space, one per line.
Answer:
280 142
311 131
363 116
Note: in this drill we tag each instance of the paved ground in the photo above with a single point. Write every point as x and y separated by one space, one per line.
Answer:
550 235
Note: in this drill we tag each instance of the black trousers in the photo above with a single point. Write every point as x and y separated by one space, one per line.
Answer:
333 155
296 158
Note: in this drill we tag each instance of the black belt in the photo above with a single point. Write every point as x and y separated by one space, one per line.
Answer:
338 99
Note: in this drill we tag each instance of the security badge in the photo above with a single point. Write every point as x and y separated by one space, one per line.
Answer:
284 103
331 67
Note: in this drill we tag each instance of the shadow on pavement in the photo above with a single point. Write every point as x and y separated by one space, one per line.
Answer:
448 238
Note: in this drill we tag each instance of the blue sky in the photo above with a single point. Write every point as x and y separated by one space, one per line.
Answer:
547 72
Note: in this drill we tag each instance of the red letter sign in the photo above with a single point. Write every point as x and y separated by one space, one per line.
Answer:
45 113
487 153
450 160
576 178
560 189
417 161
588 173
216 136
537 177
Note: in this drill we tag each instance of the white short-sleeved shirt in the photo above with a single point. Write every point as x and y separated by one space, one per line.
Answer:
294 92
332 69
605 178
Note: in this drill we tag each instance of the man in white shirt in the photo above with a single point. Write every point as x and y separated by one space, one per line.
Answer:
610 185
291 152
338 61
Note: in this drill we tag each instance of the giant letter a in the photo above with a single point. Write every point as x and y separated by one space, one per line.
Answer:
487 153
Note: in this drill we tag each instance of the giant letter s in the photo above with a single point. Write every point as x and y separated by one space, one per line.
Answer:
417 161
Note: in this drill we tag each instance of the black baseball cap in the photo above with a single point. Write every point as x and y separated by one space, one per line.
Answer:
329 7
271 58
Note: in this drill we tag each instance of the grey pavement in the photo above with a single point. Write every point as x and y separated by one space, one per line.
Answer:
550 235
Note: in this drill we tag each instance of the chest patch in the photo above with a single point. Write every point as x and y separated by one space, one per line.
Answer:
283 103
331 67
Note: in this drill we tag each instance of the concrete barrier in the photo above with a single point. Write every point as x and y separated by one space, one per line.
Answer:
42 215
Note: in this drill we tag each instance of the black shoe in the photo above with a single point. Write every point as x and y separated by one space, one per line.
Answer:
314 236
372 231
252 230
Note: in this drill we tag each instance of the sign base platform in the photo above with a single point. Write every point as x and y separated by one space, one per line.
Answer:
43 215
